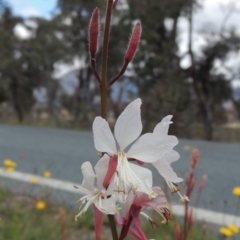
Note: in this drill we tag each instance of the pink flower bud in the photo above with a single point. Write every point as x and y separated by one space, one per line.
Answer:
203 182
178 232
133 42
94 26
194 158
190 218
112 166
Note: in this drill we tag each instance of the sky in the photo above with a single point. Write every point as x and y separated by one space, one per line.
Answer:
28 8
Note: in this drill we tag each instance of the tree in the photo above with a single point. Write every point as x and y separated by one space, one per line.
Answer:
9 65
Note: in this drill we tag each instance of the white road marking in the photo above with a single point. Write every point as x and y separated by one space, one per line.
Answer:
209 216
49 182
200 214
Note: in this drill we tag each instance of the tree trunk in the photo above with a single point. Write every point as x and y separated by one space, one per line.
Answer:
203 102
237 106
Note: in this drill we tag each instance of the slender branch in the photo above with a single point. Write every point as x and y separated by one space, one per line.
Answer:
121 72
93 65
104 91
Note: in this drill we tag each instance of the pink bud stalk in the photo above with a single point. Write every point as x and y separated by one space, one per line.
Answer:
94 27
133 42
98 222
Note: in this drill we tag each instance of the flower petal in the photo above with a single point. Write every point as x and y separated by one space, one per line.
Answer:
88 176
166 171
106 205
128 126
144 175
170 157
163 126
150 147
101 169
103 137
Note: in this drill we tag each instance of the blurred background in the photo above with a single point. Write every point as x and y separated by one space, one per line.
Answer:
188 64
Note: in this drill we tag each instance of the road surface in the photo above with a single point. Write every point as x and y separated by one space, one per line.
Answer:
63 151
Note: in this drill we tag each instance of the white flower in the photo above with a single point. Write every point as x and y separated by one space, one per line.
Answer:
163 164
100 197
148 148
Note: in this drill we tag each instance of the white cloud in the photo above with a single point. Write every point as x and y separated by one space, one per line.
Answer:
208 19
61 69
22 32
236 83
31 23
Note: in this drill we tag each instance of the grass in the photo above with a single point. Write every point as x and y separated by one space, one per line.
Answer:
21 220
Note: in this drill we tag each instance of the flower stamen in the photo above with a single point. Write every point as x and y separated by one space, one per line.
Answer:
175 189
87 200
128 178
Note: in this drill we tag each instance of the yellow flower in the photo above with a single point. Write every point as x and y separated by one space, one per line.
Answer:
47 174
187 147
226 232
9 169
40 205
9 163
34 180
233 228
236 191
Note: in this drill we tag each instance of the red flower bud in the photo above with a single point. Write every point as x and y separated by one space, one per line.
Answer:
133 42
178 232
203 182
112 166
194 158
94 27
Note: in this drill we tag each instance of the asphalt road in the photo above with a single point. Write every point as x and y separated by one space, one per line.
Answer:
63 151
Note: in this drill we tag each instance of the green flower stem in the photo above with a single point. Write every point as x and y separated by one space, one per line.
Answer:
103 86
104 91
113 226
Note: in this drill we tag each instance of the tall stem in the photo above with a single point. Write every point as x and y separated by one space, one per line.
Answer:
113 227
104 91
103 86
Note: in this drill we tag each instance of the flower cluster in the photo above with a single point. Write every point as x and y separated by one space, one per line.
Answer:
120 175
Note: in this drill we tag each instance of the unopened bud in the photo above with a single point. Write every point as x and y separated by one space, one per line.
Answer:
192 185
190 218
112 166
94 27
133 42
178 232
203 182
194 158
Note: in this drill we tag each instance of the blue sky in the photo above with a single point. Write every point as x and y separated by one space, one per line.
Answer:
27 8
